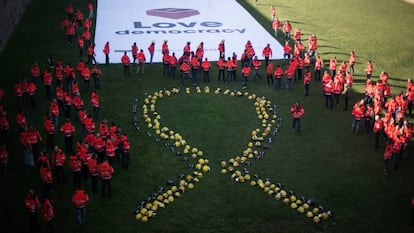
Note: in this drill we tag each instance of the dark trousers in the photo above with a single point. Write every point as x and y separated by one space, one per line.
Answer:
94 179
76 178
125 160
106 187
221 74
59 174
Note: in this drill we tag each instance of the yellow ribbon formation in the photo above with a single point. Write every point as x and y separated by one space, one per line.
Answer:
236 166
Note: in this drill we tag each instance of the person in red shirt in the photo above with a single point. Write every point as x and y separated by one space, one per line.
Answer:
46 178
47 81
221 48
106 51
328 88
70 32
245 72
313 45
297 35
318 68
221 65
91 54
81 44
206 66
125 62
185 69
369 69
287 28
79 199
358 113
35 71
105 173
337 90
4 159
256 67
269 73
187 48
332 66
276 25
164 47
95 104
32 204
287 49
141 61
173 65
90 10
267 54
352 61
272 12
58 161
230 66
48 214
86 76
297 113
75 165
151 50
166 62
93 172
378 128
195 66
96 75
68 130
306 82
87 37
125 152
277 74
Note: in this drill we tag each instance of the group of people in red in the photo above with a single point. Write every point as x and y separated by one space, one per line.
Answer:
91 147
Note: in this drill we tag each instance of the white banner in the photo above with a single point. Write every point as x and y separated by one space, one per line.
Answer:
123 22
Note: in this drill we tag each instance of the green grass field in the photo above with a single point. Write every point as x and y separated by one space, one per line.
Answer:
340 170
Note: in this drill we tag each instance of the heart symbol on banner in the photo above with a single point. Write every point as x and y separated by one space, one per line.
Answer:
237 167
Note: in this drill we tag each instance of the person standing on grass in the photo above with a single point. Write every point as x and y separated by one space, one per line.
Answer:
306 82
256 67
278 73
245 72
141 61
105 172
276 26
185 69
358 113
126 62
4 159
369 69
267 54
206 66
269 73
166 63
93 172
95 105
151 50
287 28
318 68
332 66
273 12
106 51
328 88
79 199
91 54
58 161
32 204
173 61
48 214
287 49
352 61
297 112
221 65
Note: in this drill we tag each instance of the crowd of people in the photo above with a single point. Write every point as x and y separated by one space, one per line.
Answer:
101 145
91 146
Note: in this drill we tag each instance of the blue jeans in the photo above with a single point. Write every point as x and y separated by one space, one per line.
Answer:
288 84
244 81
28 156
277 83
355 125
81 215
